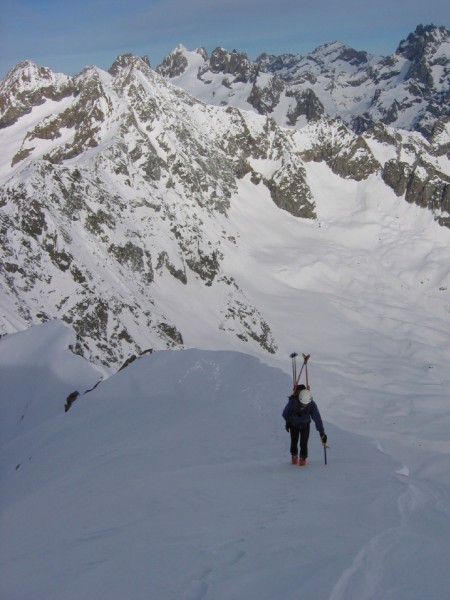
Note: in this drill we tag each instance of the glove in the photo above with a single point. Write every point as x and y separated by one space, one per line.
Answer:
287 427
324 438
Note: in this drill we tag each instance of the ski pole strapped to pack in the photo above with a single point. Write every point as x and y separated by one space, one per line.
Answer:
296 378
294 367
305 358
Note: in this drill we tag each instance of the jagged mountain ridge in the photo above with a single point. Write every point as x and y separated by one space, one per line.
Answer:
137 172
375 97
378 97
409 89
115 197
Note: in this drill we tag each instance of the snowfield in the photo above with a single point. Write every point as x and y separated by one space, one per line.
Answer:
172 480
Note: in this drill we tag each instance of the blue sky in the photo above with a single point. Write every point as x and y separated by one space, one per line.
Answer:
68 35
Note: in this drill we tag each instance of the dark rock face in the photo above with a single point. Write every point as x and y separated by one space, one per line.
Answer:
422 40
308 105
173 65
233 63
265 98
421 184
354 57
347 155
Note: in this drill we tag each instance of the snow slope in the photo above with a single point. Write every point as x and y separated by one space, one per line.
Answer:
171 480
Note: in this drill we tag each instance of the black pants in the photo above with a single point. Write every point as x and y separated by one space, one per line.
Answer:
303 434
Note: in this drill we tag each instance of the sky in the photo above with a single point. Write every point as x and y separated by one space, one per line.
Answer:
66 36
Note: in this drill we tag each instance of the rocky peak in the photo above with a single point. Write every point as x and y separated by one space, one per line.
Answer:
233 63
277 63
27 85
421 48
328 60
180 59
202 52
28 75
353 57
174 64
125 61
335 51
424 40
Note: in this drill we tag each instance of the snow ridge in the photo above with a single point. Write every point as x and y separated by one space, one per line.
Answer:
182 458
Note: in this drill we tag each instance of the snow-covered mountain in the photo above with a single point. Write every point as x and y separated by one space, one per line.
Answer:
407 90
146 217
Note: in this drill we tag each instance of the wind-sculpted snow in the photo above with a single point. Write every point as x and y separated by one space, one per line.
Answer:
172 479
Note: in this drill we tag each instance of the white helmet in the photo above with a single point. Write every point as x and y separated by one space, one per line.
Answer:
305 397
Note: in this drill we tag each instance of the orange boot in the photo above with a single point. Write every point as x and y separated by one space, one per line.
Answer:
294 460
302 462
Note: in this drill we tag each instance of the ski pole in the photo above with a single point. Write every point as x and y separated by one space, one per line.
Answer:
294 366
305 358
298 378
305 361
